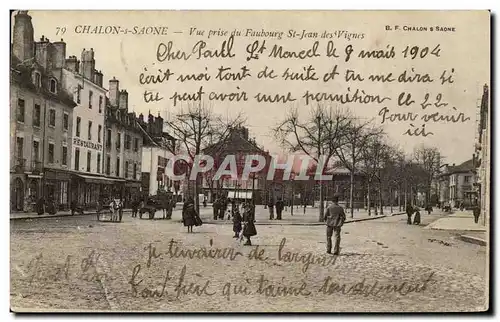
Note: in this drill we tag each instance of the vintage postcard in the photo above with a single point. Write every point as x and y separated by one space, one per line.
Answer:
249 161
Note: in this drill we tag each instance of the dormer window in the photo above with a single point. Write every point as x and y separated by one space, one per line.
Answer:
53 85
37 79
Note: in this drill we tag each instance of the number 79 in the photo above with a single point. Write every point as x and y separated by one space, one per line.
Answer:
60 30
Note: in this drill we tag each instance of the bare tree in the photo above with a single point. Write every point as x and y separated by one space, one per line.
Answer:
350 151
429 159
319 136
370 163
195 129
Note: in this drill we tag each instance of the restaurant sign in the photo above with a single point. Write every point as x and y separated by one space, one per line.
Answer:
87 144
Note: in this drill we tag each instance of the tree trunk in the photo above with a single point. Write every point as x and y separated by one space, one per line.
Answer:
321 201
391 198
399 197
351 194
368 200
380 199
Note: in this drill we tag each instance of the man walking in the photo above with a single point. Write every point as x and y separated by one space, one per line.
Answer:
279 208
409 213
270 205
335 218
476 212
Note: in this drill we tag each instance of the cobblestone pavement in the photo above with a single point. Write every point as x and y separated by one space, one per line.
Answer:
79 264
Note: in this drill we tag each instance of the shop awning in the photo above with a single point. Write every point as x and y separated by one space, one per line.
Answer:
239 195
133 184
103 180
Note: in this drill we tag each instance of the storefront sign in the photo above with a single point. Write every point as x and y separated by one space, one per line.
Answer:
87 144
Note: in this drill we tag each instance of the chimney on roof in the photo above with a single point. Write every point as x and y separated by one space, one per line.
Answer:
114 91
23 40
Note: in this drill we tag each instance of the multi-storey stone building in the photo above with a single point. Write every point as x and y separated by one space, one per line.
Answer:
239 144
123 145
85 83
41 119
158 147
456 184
482 157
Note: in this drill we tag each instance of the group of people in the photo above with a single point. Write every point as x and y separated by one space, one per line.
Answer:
244 226
410 210
220 207
166 204
279 205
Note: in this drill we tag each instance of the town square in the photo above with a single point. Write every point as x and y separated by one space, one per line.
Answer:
249 167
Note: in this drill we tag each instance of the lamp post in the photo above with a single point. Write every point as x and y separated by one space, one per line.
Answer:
292 178
253 187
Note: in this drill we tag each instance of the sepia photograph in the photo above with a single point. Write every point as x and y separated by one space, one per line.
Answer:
250 161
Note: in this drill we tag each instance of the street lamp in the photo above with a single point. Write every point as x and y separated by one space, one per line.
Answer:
292 177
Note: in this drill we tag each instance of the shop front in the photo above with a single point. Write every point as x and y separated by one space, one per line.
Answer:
56 187
89 190
132 191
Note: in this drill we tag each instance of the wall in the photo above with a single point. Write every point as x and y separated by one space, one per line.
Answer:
150 165
71 81
58 136
124 154
25 130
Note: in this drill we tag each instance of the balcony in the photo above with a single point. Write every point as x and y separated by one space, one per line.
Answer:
36 167
19 165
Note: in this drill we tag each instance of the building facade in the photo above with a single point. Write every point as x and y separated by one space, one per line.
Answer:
123 145
239 144
86 85
158 147
41 120
482 157
456 184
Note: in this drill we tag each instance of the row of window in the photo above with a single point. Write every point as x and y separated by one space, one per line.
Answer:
37 115
64 158
89 130
52 83
91 97
108 164
128 141
52 122
36 151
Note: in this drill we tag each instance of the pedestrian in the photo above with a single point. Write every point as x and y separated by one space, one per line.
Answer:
215 208
136 203
223 208
416 220
335 218
120 210
237 219
204 202
270 205
409 213
189 214
279 208
476 212
305 206
249 226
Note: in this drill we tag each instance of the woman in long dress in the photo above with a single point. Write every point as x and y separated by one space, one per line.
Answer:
249 225
416 220
188 214
237 219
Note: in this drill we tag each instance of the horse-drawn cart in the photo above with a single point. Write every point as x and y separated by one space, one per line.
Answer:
112 212
162 201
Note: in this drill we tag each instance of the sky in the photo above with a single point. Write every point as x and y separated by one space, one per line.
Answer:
126 56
